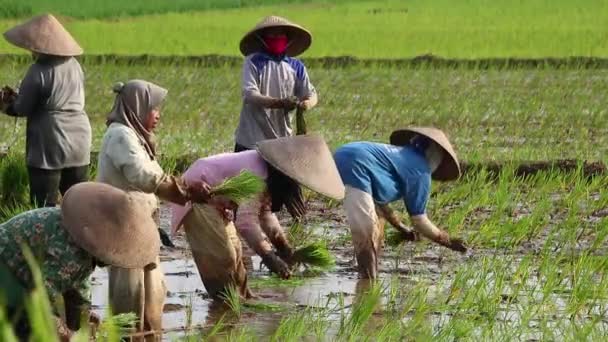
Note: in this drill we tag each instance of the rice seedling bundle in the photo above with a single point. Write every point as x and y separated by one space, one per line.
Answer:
316 254
240 188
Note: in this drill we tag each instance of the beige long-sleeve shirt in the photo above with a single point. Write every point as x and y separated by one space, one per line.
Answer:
124 163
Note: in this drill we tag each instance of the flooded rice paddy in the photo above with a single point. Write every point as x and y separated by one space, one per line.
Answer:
536 271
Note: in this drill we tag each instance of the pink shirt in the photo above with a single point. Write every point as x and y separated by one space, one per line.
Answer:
214 170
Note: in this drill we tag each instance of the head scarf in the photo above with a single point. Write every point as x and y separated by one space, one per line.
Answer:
134 102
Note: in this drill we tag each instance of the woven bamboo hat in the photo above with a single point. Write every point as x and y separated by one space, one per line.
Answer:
449 168
44 34
299 38
112 225
305 159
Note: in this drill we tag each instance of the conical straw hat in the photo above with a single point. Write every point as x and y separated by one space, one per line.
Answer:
305 159
449 169
299 38
44 34
111 224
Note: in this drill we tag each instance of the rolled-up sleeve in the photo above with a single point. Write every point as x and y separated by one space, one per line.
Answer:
139 170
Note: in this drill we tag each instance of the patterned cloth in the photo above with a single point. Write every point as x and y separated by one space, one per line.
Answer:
64 265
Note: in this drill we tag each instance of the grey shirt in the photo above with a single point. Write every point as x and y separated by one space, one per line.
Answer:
51 97
263 75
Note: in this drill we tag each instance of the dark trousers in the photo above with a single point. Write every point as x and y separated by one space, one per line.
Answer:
240 148
45 185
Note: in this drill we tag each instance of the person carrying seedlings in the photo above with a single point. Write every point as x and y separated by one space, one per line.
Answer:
127 160
282 163
274 83
376 174
51 98
97 225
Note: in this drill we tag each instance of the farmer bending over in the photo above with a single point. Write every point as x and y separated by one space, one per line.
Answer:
284 163
377 174
97 225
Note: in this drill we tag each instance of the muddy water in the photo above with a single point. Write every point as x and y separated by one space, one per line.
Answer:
187 304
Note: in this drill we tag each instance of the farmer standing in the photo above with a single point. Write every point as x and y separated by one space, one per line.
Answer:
97 225
274 83
51 97
283 163
127 160
376 174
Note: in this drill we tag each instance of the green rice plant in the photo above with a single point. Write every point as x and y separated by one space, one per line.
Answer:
7 212
392 236
264 307
232 298
6 330
275 282
115 326
14 180
315 254
240 188
361 312
298 235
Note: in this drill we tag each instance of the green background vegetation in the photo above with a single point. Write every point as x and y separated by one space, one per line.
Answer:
379 29
539 265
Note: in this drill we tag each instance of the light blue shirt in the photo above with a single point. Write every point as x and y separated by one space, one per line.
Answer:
387 172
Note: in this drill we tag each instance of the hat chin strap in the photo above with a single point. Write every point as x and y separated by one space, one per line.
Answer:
434 155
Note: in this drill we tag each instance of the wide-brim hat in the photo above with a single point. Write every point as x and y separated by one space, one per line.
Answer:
448 169
299 38
305 159
110 224
44 34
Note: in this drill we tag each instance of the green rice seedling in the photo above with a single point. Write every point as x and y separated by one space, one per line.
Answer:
188 311
392 236
298 235
240 188
232 298
14 180
115 326
361 312
264 307
6 330
7 212
275 282
315 254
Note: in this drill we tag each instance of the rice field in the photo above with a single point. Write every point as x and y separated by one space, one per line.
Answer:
537 264
366 29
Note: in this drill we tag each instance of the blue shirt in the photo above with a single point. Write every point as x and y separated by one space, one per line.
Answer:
387 172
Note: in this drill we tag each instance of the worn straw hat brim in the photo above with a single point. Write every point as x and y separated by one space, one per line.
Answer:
300 39
449 168
110 224
305 159
44 34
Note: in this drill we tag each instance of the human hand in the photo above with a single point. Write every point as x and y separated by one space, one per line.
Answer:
276 265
